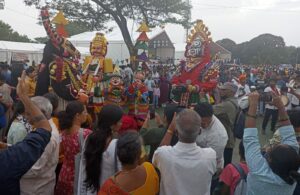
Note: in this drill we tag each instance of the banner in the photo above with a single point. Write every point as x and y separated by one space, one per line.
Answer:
20 57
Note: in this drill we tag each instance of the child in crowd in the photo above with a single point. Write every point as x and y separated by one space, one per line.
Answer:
156 95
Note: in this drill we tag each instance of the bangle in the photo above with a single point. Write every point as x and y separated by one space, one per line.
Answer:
251 116
170 132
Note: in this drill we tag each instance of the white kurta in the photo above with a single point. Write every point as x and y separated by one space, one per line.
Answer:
185 169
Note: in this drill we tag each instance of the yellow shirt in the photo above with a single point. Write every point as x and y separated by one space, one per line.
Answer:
151 186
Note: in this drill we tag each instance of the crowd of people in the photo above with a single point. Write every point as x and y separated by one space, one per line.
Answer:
46 150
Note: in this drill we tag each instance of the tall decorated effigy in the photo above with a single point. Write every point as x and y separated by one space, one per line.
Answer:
142 46
197 73
96 70
59 65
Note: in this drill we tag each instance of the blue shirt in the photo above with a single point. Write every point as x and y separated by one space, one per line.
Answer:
2 116
261 179
19 158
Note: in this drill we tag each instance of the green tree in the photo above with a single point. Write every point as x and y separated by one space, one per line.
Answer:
8 34
227 44
73 28
41 39
264 49
76 27
96 13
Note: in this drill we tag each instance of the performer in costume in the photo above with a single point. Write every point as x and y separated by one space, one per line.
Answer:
116 92
197 73
96 71
59 65
138 100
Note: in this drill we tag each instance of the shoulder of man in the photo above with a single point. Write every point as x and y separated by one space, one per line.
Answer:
163 150
209 153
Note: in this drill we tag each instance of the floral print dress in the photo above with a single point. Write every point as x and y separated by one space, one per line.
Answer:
70 144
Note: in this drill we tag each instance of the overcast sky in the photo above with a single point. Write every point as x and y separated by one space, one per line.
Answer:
239 20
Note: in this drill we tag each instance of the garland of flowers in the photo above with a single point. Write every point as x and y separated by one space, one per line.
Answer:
72 77
59 68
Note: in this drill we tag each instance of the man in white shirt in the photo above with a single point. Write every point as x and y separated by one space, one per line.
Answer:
185 168
243 87
128 75
213 133
149 82
40 179
271 110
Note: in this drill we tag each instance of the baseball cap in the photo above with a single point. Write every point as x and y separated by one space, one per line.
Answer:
229 86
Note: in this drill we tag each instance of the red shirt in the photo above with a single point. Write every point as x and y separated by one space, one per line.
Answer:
230 176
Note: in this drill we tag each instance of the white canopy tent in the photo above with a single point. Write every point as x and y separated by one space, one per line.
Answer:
19 51
117 49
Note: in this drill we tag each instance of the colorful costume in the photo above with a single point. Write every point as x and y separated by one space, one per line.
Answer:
197 72
59 64
95 69
138 97
115 93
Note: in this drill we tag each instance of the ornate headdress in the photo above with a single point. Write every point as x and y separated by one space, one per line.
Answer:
98 46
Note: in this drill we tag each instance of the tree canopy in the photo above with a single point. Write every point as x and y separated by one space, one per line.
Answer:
264 49
96 13
73 28
8 34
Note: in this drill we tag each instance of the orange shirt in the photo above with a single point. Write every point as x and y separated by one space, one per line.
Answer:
150 187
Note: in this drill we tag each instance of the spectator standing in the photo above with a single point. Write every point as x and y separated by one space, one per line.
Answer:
260 86
70 122
19 127
6 103
6 73
30 81
100 159
134 179
276 172
164 86
128 74
185 168
243 87
16 160
40 179
271 110
280 81
149 82
153 136
226 112
156 95
53 98
213 133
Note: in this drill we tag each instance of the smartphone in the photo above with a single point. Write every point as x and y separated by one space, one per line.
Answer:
152 112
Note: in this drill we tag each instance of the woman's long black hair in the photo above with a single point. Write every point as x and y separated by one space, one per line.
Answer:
285 162
96 144
18 109
66 117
